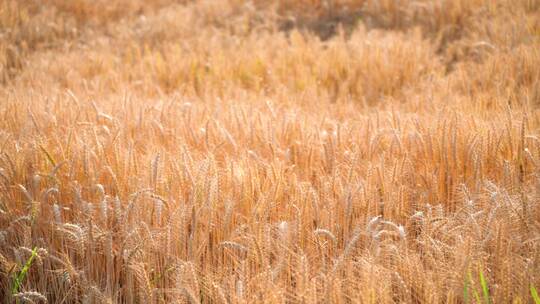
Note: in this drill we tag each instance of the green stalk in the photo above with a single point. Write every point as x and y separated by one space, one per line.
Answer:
22 274
534 295
484 284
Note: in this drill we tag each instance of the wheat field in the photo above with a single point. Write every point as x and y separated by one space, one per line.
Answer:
235 151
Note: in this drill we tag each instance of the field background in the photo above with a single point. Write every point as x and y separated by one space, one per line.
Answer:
233 151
